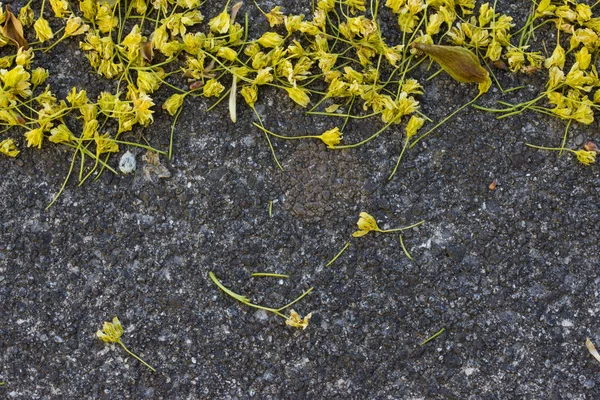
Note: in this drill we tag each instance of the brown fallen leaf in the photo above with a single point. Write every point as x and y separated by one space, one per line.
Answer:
591 146
457 61
147 52
493 185
500 65
13 30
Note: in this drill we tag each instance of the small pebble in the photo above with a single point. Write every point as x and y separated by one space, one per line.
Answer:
127 163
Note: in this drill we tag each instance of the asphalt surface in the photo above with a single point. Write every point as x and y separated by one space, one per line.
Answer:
511 274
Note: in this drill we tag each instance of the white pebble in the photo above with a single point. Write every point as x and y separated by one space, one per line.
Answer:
127 163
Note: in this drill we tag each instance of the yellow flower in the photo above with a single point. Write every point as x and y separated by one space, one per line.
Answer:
60 8
111 332
557 59
104 144
220 23
77 99
227 53
586 157
35 137
173 103
61 134
39 76
88 8
150 81
42 30
212 88
105 19
7 147
414 124
331 137
141 106
299 96
366 223
24 57
15 76
250 94
412 86
6 61
275 16
296 321
270 40
90 128
75 26
263 76
26 15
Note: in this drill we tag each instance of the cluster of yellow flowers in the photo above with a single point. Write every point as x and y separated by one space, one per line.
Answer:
340 46
570 90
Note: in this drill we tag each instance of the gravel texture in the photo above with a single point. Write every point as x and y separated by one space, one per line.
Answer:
511 274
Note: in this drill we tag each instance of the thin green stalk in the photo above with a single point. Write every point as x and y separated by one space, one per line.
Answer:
269 275
373 136
438 333
401 229
443 121
399 158
404 248
135 356
338 254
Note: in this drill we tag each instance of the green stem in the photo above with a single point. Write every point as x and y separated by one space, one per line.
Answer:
338 254
401 229
438 333
135 356
373 136
404 248
443 121
269 275
399 158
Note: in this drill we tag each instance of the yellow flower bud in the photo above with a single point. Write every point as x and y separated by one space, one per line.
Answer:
366 223
43 30
61 134
414 124
212 88
227 53
270 40
75 26
173 103
250 94
39 76
220 23
299 96
7 147
586 157
111 332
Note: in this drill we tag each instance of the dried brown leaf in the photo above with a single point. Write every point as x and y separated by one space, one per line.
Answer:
493 184
147 52
499 64
457 61
13 30
591 146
